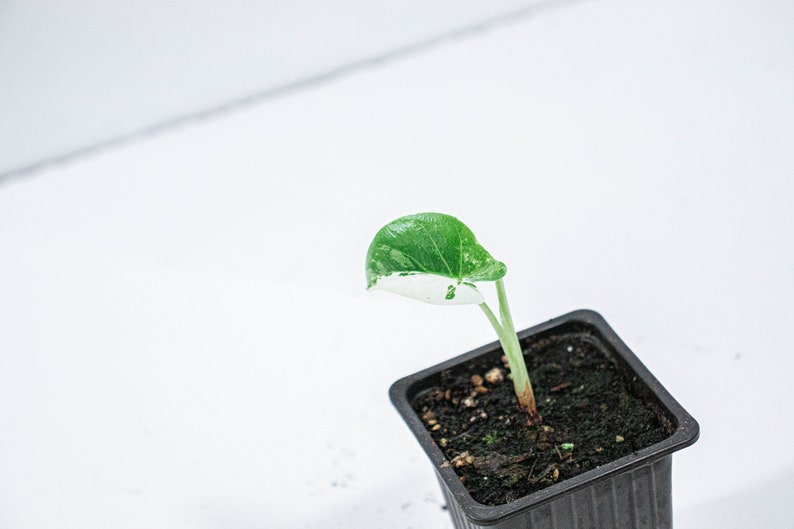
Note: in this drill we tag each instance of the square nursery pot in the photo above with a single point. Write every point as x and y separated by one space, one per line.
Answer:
631 492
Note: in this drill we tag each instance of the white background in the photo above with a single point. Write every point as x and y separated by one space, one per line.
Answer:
185 340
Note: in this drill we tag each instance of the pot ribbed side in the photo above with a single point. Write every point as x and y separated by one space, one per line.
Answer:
637 499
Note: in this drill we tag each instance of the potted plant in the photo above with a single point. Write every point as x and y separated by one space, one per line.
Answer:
557 426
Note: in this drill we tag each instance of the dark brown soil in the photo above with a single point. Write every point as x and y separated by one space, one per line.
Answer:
585 399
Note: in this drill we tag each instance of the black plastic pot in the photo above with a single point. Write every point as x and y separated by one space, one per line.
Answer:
629 493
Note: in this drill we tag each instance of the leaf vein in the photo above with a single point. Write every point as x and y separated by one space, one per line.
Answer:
438 250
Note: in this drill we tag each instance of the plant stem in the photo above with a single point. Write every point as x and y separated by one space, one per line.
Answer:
515 357
494 322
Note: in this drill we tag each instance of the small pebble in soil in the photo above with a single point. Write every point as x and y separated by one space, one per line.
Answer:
494 376
462 460
619 439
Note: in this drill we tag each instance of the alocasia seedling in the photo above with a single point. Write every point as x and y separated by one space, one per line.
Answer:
435 258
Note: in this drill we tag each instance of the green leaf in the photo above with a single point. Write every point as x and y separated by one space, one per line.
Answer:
431 257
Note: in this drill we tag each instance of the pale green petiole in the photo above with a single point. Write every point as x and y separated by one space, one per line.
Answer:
505 330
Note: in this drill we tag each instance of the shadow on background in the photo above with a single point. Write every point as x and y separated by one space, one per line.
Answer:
766 505
407 502
71 140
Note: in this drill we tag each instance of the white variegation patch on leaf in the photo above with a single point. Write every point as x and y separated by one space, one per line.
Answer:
430 288
431 257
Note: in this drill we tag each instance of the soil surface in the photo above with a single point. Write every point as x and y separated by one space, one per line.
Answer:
592 413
